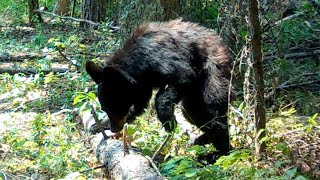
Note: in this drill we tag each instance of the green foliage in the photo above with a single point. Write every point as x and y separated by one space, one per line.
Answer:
313 123
50 144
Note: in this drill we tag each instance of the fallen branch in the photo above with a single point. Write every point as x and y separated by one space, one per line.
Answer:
284 86
20 57
69 18
110 154
169 136
297 85
12 71
315 53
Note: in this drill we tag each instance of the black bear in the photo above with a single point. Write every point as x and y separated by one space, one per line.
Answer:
186 62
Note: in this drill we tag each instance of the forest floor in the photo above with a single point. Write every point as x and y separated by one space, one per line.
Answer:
40 132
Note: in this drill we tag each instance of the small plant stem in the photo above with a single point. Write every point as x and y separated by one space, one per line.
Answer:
162 145
95 117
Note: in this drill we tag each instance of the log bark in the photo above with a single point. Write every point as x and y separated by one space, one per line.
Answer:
110 153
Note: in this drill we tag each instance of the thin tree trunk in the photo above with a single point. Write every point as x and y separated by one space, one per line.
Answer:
34 5
93 10
260 115
62 7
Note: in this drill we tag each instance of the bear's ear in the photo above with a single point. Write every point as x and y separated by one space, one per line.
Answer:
117 76
94 71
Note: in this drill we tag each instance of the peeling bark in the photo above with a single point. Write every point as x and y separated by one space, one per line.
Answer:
110 153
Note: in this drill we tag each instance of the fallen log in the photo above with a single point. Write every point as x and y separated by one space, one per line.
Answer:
23 56
109 153
13 71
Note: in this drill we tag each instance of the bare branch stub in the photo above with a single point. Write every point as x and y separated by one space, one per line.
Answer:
95 117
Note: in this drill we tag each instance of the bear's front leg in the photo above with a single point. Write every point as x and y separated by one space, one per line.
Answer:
165 101
140 103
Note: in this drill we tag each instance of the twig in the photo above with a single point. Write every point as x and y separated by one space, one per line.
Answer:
162 145
124 140
94 168
69 18
64 56
270 26
153 165
70 61
96 119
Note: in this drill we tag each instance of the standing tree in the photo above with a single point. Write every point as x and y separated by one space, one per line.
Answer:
61 7
260 114
93 10
34 5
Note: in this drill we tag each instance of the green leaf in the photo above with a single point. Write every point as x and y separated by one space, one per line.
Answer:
312 120
243 33
131 130
278 164
78 99
291 172
19 143
92 95
169 166
300 178
191 173
308 129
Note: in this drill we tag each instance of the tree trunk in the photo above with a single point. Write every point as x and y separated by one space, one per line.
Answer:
62 7
260 115
171 9
93 10
34 5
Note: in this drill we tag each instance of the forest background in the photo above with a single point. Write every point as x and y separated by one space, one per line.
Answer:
43 87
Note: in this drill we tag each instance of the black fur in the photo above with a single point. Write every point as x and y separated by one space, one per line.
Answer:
186 62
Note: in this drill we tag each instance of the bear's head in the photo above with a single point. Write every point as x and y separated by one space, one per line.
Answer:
115 92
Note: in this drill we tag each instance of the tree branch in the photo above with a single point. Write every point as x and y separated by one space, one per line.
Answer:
295 55
69 18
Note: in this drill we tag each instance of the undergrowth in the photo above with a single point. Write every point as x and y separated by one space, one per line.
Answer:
40 132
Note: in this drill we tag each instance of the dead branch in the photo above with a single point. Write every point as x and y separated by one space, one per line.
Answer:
23 56
315 53
268 26
124 140
31 70
96 119
20 57
161 146
69 18
297 85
